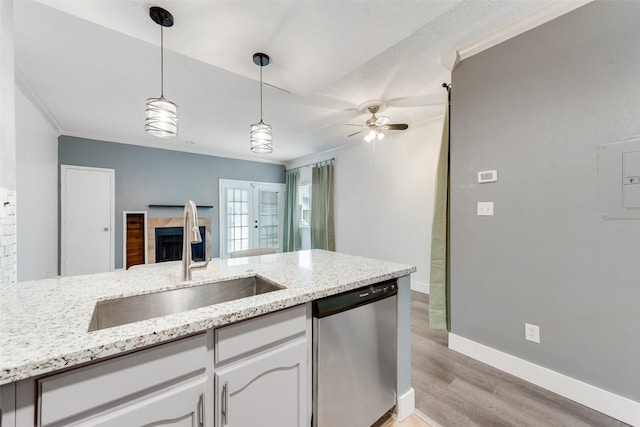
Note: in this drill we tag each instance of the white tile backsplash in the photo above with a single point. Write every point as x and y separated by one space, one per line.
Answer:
8 247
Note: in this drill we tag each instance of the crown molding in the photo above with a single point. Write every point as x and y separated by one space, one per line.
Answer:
25 86
528 22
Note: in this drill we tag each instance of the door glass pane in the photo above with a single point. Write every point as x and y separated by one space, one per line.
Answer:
269 219
237 219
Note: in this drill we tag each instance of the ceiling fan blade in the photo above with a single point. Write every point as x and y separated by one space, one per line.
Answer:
428 100
382 120
396 126
352 124
360 131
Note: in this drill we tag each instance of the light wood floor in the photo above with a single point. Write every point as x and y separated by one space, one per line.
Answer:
412 421
454 390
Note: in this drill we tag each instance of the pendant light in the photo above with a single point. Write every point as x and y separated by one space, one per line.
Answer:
162 115
260 135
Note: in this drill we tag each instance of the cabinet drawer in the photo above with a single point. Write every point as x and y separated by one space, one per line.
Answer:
240 339
82 391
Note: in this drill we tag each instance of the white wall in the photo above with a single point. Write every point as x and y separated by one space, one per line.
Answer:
7 108
384 197
7 148
37 183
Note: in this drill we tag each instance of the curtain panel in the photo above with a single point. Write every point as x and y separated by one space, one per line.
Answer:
291 233
439 273
322 232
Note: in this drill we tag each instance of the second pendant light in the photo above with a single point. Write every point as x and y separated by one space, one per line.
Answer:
260 135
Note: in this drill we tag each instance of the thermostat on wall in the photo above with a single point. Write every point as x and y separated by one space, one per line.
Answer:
487 176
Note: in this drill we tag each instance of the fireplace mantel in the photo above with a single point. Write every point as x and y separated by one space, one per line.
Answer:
181 206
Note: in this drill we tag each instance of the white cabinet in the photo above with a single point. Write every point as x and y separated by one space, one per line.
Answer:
167 385
265 390
262 375
178 406
7 405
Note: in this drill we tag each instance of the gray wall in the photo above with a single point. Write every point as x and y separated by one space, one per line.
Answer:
147 176
536 108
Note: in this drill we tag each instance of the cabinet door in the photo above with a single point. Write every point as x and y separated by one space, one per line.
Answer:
89 391
268 389
183 405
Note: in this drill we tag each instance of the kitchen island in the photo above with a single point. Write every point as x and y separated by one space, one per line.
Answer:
44 324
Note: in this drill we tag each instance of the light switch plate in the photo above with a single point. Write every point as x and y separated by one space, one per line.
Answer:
487 176
485 208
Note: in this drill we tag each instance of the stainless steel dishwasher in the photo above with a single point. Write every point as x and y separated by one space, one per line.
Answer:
354 356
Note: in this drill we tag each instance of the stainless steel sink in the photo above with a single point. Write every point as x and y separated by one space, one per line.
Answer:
120 311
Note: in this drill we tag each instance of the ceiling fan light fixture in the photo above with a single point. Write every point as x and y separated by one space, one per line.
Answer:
374 134
260 134
370 136
375 126
161 114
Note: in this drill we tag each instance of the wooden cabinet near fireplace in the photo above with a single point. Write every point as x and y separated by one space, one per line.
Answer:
135 238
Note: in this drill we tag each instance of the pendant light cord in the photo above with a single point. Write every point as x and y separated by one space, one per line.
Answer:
261 66
161 61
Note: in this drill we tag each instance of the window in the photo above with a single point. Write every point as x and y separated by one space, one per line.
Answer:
304 204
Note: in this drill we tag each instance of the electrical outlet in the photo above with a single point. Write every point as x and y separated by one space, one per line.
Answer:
532 333
485 208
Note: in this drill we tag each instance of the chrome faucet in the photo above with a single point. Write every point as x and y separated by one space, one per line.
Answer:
190 234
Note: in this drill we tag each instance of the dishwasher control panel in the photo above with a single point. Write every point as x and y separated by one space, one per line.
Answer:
337 303
384 288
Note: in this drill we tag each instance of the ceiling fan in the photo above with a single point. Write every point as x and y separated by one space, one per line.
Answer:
376 126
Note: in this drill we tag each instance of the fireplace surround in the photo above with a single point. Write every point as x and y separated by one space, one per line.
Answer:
163 223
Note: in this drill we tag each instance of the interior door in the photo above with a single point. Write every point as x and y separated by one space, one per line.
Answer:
87 208
251 215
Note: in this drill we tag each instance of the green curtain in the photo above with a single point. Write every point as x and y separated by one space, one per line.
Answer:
322 233
439 280
292 241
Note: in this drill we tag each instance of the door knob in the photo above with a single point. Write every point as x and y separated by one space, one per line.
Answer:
106 229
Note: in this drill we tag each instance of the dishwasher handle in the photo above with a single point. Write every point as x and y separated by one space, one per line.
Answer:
355 298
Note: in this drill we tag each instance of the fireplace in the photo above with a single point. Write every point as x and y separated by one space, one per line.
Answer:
176 222
169 244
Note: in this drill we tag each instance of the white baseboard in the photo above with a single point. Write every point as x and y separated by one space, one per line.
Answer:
406 405
426 419
615 406
419 286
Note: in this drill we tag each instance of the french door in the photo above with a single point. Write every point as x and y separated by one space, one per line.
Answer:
251 215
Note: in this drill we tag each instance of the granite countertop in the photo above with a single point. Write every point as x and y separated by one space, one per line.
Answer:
43 324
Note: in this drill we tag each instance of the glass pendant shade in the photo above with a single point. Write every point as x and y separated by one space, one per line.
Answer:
162 118
260 138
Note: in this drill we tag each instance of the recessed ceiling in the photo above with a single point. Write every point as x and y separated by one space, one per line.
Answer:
92 64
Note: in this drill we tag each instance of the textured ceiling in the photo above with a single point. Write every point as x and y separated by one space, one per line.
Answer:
92 64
